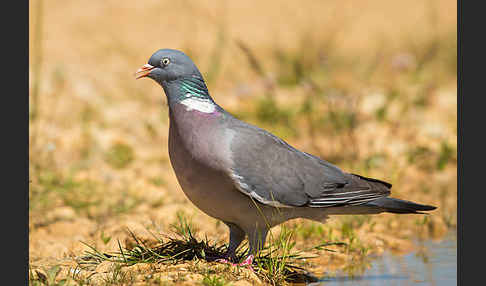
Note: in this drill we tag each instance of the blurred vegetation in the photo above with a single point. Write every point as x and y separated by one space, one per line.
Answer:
119 155
369 87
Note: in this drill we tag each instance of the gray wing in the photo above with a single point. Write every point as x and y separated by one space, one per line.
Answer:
274 173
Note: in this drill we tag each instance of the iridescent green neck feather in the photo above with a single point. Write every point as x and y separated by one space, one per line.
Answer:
193 87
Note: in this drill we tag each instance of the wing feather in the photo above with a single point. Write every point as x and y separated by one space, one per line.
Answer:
274 173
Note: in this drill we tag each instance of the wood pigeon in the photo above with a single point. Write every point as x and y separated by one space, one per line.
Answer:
247 177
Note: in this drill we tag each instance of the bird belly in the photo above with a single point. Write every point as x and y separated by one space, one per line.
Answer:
214 194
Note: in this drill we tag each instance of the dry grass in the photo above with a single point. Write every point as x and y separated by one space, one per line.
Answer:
369 86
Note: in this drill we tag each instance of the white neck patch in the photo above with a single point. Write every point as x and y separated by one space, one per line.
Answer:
204 105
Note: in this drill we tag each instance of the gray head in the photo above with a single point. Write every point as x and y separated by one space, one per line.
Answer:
167 65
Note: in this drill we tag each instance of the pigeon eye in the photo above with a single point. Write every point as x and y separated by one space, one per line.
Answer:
165 61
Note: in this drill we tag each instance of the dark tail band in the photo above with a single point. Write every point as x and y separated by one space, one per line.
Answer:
398 206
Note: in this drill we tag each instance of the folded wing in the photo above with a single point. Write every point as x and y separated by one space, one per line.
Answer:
272 172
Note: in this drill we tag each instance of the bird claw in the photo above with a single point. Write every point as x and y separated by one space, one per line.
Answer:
247 262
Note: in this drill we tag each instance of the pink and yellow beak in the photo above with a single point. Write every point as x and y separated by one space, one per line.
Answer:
143 71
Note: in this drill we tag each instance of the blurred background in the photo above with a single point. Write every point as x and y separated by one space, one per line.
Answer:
367 85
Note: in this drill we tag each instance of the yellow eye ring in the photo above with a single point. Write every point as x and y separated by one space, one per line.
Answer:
165 61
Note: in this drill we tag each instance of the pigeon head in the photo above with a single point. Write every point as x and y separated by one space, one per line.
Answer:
167 65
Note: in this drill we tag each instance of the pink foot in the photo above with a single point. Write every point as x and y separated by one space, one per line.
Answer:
247 262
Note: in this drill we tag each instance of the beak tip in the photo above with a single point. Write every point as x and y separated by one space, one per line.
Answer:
143 71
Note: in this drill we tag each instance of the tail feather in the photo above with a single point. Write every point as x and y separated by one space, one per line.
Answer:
398 206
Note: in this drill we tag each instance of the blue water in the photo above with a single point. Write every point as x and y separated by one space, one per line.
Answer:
434 264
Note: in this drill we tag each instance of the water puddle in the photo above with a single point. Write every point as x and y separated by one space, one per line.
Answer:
435 263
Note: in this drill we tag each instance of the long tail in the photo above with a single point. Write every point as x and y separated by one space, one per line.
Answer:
398 206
